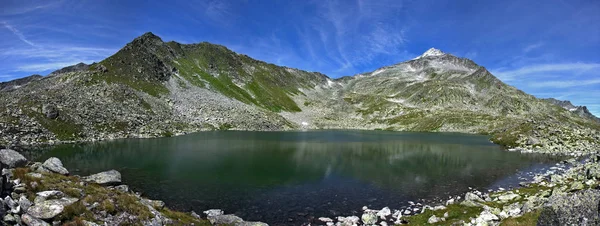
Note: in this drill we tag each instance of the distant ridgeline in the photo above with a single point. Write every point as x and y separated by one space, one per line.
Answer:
153 88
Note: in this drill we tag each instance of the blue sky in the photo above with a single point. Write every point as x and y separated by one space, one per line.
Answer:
547 48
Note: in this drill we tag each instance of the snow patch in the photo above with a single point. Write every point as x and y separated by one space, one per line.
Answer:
431 52
378 71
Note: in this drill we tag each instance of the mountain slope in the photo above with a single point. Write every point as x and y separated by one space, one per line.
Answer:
154 88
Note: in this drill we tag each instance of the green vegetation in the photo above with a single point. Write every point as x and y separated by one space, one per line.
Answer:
528 219
456 214
60 127
111 201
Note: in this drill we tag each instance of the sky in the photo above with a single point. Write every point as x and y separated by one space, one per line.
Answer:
547 48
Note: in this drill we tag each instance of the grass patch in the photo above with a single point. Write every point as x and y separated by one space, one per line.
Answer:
527 219
180 218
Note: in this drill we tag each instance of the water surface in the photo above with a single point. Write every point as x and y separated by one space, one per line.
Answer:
289 177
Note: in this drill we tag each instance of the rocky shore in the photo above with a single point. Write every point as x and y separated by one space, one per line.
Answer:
39 194
567 194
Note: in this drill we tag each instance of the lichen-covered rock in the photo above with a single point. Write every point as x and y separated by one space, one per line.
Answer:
54 164
369 218
46 209
11 159
111 177
579 208
32 221
226 219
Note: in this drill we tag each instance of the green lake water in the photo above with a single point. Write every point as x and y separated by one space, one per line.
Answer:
290 177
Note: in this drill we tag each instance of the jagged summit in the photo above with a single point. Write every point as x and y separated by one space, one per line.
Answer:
431 52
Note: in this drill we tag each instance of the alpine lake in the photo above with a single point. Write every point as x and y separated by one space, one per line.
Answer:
291 177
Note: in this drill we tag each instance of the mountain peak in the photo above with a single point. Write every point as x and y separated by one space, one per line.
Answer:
431 52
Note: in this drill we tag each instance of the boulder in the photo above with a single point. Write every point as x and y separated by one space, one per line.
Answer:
227 219
11 159
32 221
46 210
24 203
213 212
369 218
45 195
50 111
110 177
251 223
50 208
383 213
508 197
54 164
579 208
473 197
433 219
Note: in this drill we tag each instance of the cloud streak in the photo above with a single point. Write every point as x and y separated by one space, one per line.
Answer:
510 75
18 33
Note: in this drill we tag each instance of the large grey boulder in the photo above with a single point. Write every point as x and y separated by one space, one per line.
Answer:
227 219
579 208
11 159
32 221
50 111
111 177
54 164
50 208
46 209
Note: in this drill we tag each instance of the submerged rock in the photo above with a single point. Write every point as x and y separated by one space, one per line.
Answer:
110 177
11 159
54 164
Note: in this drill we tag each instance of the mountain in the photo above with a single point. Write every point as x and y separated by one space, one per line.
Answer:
153 88
18 83
579 110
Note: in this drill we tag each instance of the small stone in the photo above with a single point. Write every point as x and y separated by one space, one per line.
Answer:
9 218
34 175
123 188
24 203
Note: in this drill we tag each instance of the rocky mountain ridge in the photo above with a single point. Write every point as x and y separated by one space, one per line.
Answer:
579 110
153 88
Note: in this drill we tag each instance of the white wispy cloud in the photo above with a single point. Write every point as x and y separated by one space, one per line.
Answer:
353 35
512 74
564 83
17 33
532 47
